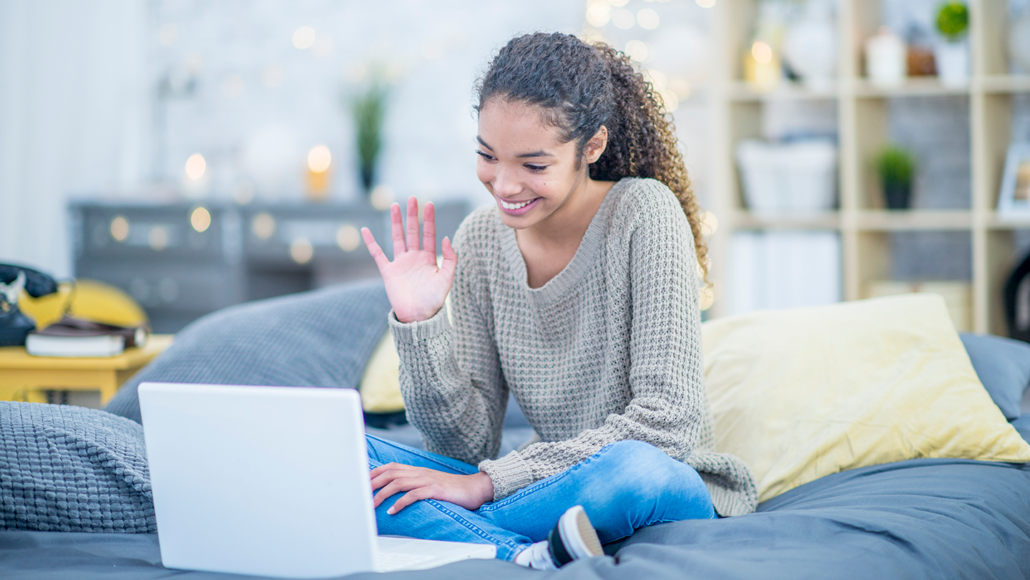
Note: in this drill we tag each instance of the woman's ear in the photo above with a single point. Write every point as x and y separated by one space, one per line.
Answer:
596 145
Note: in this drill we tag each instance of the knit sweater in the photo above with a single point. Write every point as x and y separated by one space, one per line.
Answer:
607 350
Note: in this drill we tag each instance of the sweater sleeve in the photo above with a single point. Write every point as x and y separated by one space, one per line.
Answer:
668 397
450 375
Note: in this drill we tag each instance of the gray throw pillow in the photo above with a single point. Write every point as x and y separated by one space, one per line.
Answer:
71 469
321 338
1003 366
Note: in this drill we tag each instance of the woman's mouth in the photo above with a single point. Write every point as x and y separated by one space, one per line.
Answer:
518 208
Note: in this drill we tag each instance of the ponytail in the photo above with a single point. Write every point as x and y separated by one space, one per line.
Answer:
584 86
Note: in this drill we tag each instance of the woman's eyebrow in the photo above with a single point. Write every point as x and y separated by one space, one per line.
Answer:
523 155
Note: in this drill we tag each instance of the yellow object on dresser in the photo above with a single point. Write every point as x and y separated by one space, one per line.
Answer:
804 393
27 378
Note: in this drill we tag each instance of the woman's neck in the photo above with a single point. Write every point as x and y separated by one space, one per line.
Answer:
566 227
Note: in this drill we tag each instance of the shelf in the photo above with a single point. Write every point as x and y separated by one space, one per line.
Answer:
912 87
1004 83
745 220
997 221
909 220
786 90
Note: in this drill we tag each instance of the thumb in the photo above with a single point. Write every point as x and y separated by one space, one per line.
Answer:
450 259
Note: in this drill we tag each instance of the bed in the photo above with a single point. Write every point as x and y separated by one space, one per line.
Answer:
924 518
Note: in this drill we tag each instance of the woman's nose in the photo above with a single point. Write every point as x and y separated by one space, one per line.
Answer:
506 183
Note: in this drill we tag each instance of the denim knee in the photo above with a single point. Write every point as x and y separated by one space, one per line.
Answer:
636 471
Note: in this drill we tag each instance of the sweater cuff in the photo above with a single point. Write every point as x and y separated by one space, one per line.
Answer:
411 332
509 474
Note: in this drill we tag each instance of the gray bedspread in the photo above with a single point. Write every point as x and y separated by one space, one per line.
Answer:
929 518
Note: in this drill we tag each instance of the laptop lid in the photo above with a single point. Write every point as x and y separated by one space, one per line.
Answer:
259 480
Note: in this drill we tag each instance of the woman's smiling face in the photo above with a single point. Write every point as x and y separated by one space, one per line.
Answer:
524 165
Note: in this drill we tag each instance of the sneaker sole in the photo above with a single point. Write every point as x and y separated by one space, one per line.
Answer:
586 533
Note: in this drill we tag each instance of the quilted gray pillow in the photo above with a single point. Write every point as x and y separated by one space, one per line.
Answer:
72 469
321 338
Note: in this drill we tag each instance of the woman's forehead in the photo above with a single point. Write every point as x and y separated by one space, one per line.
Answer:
517 127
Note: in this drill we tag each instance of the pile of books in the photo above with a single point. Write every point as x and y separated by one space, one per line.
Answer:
76 337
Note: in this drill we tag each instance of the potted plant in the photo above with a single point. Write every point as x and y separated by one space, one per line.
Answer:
368 109
952 55
896 167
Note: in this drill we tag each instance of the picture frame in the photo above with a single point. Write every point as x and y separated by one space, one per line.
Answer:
1015 182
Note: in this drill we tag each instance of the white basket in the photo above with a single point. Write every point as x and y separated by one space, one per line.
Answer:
791 177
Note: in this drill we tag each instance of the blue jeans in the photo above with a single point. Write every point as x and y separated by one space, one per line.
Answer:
625 486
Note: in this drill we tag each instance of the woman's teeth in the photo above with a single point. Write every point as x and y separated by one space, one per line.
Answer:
506 205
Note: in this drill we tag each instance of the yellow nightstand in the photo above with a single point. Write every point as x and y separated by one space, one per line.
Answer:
27 378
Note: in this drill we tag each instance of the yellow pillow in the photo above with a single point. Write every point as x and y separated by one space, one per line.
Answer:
381 385
800 394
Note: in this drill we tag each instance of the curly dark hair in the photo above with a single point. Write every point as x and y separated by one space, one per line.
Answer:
582 86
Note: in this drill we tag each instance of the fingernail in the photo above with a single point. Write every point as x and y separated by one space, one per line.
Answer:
390 511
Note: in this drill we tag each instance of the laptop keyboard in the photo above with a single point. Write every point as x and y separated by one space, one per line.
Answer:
389 561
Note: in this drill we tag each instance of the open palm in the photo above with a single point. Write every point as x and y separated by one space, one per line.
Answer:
415 284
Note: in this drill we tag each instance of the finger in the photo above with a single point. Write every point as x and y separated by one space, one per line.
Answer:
374 249
386 467
429 229
395 486
412 226
398 230
410 498
450 259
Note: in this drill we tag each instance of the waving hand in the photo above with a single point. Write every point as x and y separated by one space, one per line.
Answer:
415 285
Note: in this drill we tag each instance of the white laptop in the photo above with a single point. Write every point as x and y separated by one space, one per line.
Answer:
270 481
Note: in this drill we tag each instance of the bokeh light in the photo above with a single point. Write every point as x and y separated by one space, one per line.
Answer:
637 50
381 197
709 223
196 166
119 228
618 2
302 251
200 219
706 3
348 238
263 226
157 237
599 12
706 298
623 19
304 37
762 52
319 159
648 19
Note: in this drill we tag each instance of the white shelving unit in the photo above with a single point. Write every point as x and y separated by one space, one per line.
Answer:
862 223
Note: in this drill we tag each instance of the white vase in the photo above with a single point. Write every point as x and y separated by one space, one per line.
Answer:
952 63
810 46
885 58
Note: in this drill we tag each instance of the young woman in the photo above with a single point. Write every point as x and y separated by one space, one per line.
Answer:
578 293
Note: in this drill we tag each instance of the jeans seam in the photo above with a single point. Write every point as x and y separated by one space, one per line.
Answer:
414 451
471 526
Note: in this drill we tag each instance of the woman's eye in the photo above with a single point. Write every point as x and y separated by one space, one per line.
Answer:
536 167
486 156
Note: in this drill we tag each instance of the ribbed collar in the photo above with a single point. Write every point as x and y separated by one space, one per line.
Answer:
581 263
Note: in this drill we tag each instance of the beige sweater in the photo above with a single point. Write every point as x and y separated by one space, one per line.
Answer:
607 350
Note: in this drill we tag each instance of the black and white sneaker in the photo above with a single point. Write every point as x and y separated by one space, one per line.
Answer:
571 539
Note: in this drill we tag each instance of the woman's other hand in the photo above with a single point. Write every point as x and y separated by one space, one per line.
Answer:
467 491
415 285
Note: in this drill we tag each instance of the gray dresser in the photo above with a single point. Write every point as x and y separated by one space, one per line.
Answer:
184 260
